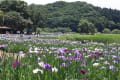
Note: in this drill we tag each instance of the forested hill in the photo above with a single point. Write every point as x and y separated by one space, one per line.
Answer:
76 16
64 14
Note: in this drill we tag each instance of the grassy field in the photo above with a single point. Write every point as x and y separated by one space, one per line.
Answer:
96 38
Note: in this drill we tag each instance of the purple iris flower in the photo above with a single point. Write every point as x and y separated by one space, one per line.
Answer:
62 57
4 45
71 58
115 62
103 67
47 66
85 51
115 57
77 52
15 64
111 67
63 64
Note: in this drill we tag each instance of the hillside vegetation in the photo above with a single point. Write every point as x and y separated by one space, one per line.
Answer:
64 14
75 16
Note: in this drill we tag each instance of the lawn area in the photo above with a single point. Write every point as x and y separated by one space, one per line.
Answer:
96 38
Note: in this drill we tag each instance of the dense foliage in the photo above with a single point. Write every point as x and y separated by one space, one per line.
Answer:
58 14
18 15
64 14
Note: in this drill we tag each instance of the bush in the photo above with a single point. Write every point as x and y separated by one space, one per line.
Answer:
106 31
116 31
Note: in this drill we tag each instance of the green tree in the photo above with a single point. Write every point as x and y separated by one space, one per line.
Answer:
85 26
38 18
16 21
1 18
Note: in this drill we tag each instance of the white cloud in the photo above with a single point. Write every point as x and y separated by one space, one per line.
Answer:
114 4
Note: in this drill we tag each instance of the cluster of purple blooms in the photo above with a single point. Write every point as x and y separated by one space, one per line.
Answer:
16 64
48 66
3 45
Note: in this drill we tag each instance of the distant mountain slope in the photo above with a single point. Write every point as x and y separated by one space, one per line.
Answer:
64 14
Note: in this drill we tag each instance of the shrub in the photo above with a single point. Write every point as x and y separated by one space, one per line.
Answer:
106 31
116 31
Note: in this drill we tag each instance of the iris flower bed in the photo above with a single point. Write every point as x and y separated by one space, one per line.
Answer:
51 60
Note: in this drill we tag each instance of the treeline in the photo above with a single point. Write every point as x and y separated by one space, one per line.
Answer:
77 16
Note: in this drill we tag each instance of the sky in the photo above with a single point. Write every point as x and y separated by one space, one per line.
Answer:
114 4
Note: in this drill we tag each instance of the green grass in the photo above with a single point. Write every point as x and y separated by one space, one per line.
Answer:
96 38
